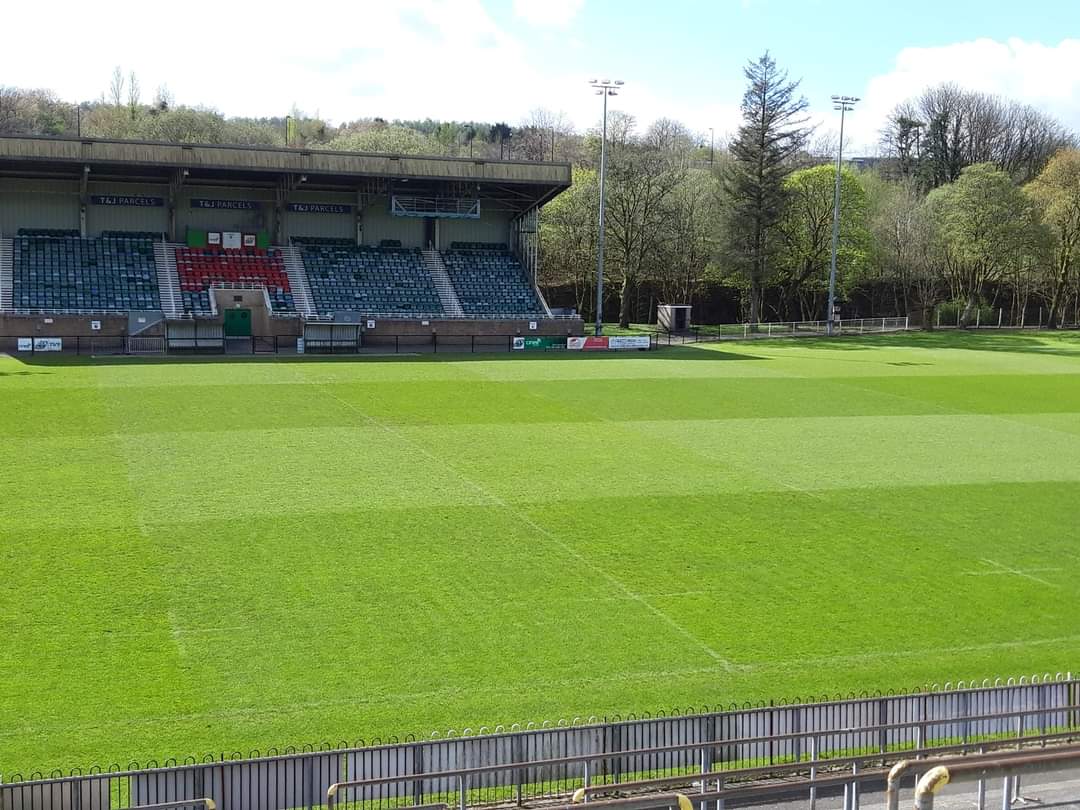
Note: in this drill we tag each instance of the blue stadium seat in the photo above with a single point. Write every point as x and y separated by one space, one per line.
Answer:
490 281
375 281
59 272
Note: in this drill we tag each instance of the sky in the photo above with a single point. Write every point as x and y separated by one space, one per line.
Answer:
496 60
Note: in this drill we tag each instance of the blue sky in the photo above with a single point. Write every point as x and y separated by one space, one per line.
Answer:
498 59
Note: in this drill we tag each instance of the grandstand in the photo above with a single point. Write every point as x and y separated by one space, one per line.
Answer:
92 231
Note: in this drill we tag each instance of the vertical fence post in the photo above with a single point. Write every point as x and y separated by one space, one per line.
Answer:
1001 311
1006 794
461 792
585 781
981 791
704 781
854 787
813 772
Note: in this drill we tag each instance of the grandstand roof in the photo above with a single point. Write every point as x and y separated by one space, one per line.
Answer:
524 182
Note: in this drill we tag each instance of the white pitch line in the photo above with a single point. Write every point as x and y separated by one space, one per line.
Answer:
914 653
728 665
1003 570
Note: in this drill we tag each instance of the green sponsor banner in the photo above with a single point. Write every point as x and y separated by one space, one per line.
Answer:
537 343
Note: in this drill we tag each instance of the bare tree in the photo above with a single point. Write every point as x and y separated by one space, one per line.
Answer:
116 87
133 95
948 128
641 213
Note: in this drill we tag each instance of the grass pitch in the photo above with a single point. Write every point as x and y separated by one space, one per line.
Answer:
216 555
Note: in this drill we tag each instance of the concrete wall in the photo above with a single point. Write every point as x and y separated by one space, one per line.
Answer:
379 224
63 325
255 300
38 204
492 226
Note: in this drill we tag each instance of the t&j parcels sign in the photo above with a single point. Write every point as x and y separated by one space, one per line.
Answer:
129 201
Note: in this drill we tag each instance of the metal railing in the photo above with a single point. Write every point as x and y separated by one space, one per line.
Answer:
778 329
553 761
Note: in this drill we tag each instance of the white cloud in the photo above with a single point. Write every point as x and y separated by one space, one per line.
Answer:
557 13
1045 76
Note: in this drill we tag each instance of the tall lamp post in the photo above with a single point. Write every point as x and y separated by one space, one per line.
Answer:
605 88
844 104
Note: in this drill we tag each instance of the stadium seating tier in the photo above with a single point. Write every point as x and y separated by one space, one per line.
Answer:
57 271
383 281
201 268
491 282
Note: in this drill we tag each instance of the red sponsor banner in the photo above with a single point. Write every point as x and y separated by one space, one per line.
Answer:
587 344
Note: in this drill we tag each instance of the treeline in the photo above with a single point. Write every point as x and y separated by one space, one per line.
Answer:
972 204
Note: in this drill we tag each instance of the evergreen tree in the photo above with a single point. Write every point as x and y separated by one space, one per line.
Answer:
773 131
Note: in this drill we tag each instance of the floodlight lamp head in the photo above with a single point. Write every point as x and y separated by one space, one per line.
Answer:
619 82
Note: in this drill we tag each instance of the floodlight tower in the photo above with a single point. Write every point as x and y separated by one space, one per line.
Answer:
844 104
605 88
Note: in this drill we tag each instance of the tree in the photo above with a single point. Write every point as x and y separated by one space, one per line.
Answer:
568 228
391 138
772 133
641 183
1057 193
116 87
806 231
988 225
963 128
133 95
683 258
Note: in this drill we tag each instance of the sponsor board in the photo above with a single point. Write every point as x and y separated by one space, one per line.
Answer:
40 344
228 205
629 342
587 344
319 208
132 201
539 343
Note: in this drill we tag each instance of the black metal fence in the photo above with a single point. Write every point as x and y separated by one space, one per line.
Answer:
550 761
370 344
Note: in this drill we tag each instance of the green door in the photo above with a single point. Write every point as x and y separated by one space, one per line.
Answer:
238 323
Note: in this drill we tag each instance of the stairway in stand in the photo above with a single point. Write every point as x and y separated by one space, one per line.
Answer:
168 280
298 283
433 263
7 273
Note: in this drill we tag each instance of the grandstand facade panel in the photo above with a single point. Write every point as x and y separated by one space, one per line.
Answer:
109 227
